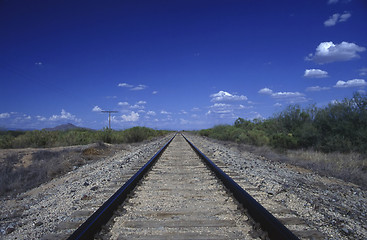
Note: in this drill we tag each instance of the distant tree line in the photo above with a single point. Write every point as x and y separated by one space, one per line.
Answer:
340 126
44 138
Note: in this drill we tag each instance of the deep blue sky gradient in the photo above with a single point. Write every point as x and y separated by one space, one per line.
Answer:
61 59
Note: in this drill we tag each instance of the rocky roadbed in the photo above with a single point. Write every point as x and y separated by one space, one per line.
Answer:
335 208
53 206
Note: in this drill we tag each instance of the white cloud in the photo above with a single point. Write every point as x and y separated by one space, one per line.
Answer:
183 121
132 87
195 109
332 1
332 20
151 113
278 105
125 85
362 71
41 118
96 109
165 112
316 89
111 97
64 116
222 96
351 83
137 106
224 110
335 18
141 102
154 92
315 73
139 87
4 115
287 94
291 97
266 91
344 17
328 52
183 112
123 104
132 117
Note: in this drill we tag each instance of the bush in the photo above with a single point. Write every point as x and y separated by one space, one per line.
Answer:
43 138
283 141
340 126
258 137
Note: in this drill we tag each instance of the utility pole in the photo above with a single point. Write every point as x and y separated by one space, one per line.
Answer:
109 117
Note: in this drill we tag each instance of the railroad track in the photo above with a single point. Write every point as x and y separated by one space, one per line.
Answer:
183 196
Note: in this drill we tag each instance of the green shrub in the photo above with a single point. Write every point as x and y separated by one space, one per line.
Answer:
44 138
258 137
283 141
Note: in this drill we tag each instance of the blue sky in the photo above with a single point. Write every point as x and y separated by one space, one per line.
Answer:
175 64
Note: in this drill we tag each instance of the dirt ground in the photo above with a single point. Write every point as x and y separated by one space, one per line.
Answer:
23 169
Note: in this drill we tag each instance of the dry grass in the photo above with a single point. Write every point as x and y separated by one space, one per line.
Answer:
351 167
18 175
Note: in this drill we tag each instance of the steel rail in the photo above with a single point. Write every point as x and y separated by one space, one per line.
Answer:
100 217
274 228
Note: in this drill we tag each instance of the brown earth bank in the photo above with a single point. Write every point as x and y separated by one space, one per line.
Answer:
336 208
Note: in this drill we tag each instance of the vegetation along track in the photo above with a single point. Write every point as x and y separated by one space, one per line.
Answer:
184 196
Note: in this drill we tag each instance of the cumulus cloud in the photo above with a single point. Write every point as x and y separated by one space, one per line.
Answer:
151 113
266 91
139 87
335 18
316 89
132 117
125 85
123 104
165 112
328 52
221 110
278 105
132 87
137 106
291 97
362 71
41 118
64 116
4 115
223 96
351 83
141 102
96 109
287 94
154 92
315 73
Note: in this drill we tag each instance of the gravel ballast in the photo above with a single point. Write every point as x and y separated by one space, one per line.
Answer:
336 209
54 209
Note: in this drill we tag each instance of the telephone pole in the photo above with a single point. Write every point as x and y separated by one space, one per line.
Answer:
109 117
